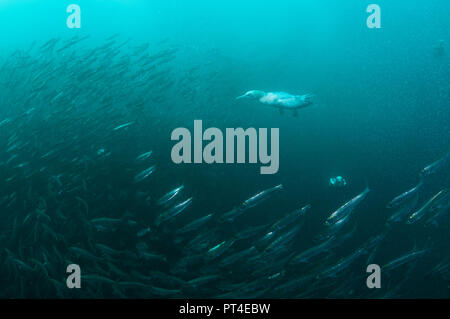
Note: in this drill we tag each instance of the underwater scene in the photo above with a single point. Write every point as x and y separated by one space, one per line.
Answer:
224 149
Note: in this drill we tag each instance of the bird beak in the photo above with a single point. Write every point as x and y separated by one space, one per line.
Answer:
241 97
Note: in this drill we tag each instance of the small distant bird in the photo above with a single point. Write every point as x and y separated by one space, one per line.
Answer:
281 100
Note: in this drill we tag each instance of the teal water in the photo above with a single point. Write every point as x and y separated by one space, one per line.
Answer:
71 190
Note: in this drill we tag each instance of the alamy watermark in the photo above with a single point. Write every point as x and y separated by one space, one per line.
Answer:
373 21
374 279
74 279
235 142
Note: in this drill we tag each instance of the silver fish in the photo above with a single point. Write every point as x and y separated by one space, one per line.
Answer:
122 126
433 167
427 207
173 211
260 197
144 174
144 156
165 199
404 197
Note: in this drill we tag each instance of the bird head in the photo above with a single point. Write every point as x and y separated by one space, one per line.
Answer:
253 94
